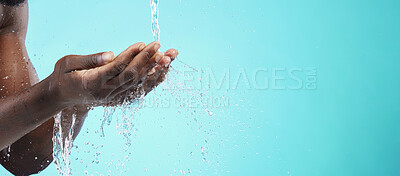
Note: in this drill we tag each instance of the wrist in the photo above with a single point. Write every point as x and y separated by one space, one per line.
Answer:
53 93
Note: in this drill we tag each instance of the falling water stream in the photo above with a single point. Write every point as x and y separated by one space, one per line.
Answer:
132 104
155 28
62 144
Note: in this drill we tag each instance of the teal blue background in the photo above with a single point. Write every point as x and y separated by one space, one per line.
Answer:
347 125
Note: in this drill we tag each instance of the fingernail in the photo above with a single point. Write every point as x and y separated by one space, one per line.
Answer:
170 52
107 57
158 58
167 60
152 71
141 47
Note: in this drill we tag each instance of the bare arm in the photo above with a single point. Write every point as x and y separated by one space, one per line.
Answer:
32 152
23 112
77 81
15 65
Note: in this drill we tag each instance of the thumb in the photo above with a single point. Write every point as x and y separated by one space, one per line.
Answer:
82 62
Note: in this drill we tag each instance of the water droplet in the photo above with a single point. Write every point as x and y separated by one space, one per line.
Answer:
209 112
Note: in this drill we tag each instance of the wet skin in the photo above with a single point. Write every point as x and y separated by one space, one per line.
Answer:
78 82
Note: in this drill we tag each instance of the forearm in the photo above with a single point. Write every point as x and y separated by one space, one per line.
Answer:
23 112
33 152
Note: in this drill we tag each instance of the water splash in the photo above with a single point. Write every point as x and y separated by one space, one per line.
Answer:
132 103
6 153
62 145
179 86
129 108
155 28
108 113
125 115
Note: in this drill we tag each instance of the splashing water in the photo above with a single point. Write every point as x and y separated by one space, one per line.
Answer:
155 28
62 145
174 86
6 153
131 104
108 113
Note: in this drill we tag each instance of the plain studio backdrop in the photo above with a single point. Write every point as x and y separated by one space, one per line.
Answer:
285 87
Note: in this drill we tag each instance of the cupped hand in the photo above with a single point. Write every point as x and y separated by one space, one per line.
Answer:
155 76
97 79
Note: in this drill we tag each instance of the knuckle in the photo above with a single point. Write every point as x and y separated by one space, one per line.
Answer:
120 67
108 74
65 62
62 63
147 54
131 74
134 46
91 61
